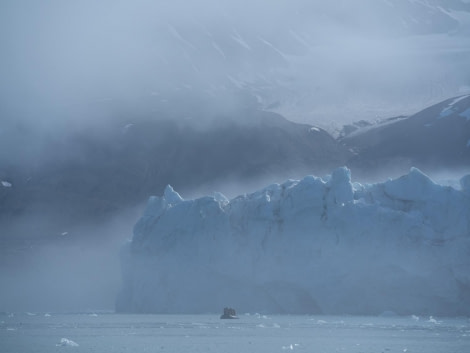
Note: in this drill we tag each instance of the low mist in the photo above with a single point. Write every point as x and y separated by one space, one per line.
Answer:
75 270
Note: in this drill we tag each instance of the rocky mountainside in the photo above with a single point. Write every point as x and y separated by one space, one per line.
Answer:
309 60
92 174
436 138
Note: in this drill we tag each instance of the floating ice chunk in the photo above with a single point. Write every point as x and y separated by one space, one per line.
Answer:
6 184
259 316
433 320
314 129
65 342
47 315
414 317
290 347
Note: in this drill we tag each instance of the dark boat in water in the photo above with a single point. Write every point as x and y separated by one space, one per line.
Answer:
229 313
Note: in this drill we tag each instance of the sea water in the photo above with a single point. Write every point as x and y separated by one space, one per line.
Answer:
109 332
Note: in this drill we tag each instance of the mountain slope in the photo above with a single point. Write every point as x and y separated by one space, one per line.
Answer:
298 56
433 139
93 174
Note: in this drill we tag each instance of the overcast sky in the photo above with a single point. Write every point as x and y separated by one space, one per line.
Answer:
58 57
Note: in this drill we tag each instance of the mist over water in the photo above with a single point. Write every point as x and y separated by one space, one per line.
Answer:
91 68
76 269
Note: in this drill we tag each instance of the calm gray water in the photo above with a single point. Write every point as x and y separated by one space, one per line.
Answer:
251 333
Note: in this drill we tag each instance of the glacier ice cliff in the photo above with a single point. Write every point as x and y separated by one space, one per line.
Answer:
316 245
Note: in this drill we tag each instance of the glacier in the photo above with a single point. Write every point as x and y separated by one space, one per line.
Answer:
317 245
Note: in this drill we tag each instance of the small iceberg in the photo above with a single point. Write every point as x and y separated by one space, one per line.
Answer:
433 320
65 342
6 184
229 313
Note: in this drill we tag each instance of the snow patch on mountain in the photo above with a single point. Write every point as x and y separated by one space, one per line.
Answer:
219 50
316 245
451 108
458 99
466 114
238 38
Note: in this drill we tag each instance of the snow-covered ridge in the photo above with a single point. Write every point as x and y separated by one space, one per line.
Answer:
316 245
451 108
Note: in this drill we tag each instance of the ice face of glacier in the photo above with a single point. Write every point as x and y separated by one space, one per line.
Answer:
316 245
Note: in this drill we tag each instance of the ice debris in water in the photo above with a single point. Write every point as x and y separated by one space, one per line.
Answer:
65 342
290 347
433 320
